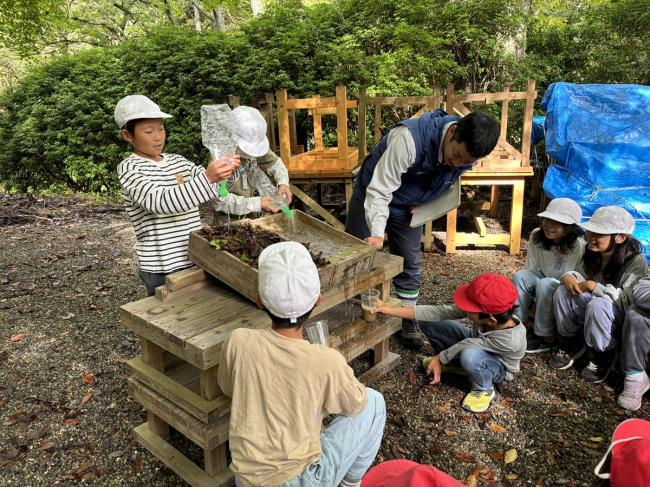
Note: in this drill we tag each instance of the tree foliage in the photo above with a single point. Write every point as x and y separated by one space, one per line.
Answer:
56 124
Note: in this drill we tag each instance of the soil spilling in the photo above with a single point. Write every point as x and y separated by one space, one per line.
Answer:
246 242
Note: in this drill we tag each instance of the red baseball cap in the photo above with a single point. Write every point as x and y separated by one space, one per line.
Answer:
487 293
630 455
405 473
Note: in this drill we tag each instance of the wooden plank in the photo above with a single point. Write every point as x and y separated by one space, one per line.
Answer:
380 330
449 98
206 411
207 436
163 293
233 101
305 103
186 277
450 244
209 386
305 198
480 224
178 462
400 100
318 130
283 126
381 351
428 236
494 201
504 116
516 215
528 124
341 123
362 123
349 104
490 97
380 369
216 459
154 357
377 124
463 238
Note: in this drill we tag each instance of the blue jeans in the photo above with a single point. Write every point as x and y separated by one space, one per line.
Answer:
595 317
484 368
402 240
533 286
348 447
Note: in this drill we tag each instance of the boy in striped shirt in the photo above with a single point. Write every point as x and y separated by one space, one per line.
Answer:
162 192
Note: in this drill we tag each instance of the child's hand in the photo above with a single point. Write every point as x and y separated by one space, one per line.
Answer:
283 189
572 285
587 286
435 369
218 170
267 204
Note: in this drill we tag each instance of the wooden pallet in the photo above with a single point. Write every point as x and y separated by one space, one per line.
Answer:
182 329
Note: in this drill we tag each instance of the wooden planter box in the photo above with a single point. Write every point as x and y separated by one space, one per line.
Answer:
348 255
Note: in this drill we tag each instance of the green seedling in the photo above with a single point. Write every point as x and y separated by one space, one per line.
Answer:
216 243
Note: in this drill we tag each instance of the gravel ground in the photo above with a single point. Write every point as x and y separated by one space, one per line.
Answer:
67 264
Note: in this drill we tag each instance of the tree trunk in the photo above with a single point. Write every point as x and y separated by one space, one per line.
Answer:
516 43
219 22
197 18
257 7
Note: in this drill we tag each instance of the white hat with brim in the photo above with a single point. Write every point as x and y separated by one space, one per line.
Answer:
288 284
135 107
563 210
249 131
610 220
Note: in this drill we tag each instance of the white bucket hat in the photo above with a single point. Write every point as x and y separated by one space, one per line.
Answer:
133 107
249 131
609 220
288 284
563 210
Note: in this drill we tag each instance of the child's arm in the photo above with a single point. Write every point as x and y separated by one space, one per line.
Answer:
407 312
423 312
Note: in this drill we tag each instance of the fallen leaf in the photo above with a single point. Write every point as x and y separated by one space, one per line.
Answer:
87 397
135 466
462 456
67 316
444 407
72 421
510 456
398 452
47 446
550 459
3 402
411 377
581 393
512 476
496 455
471 481
596 439
541 482
558 414
449 432
497 428
17 338
88 378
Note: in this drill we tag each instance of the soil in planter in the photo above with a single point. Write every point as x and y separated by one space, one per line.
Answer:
246 242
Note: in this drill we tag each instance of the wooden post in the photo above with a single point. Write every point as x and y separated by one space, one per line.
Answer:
208 382
451 231
428 237
342 124
362 123
283 126
494 201
528 124
377 123
504 116
380 351
437 98
318 128
216 459
293 135
449 99
154 357
516 213
233 101
266 107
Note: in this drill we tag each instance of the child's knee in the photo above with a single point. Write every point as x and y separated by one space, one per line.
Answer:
376 401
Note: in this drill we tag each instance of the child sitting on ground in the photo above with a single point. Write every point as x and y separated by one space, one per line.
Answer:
489 351
162 192
282 387
591 303
554 248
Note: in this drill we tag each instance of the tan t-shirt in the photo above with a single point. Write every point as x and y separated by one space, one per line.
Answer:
281 389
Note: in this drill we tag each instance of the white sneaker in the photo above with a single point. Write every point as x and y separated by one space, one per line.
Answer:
633 390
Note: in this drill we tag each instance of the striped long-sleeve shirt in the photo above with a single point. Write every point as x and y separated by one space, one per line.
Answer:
162 200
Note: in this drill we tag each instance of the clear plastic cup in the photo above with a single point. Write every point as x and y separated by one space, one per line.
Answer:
369 302
318 333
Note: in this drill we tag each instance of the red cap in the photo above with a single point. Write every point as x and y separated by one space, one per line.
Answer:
405 473
630 455
487 293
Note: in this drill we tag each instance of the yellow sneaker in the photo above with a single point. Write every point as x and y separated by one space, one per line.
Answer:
478 401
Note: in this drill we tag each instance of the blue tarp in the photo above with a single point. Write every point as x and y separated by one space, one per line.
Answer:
599 136
538 129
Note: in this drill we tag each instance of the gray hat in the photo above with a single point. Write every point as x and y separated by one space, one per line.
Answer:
563 210
134 107
609 220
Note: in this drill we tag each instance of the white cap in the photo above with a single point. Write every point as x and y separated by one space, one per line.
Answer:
133 107
563 210
249 131
609 220
289 284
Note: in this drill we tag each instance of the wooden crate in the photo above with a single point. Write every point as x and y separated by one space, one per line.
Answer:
348 255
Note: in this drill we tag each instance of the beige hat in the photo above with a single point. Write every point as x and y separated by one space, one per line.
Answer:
609 220
249 131
134 107
563 210
288 284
